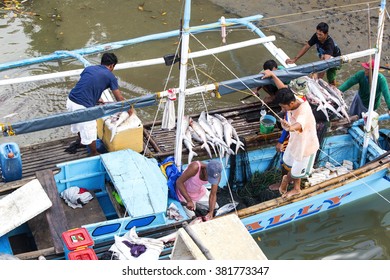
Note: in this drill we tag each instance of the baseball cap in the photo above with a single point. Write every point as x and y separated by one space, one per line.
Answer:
214 169
367 64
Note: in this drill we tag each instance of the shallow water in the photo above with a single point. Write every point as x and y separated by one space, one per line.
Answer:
71 24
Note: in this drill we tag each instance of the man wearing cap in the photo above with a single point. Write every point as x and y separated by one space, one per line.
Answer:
191 190
361 100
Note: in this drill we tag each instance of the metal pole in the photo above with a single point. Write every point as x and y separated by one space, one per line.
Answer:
182 83
367 129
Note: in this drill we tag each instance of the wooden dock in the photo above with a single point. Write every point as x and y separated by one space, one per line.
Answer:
202 241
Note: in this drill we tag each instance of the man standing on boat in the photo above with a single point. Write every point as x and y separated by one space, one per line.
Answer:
191 190
362 98
303 144
326 48
87 93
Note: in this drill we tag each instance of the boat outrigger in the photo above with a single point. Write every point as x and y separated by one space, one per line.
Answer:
128 188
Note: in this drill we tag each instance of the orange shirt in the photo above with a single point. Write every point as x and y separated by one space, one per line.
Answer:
305 143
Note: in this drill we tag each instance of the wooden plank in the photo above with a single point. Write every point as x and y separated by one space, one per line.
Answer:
36 254
55 216
203 241
22 205
61 217
90 213
151 140
8 187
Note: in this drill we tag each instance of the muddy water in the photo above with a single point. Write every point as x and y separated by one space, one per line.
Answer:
71 24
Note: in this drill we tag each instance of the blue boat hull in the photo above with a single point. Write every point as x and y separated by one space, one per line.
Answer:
317 203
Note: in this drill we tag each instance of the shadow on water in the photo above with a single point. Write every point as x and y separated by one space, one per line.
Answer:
354 231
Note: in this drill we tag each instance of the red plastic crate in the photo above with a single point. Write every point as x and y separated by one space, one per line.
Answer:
83 255
76 238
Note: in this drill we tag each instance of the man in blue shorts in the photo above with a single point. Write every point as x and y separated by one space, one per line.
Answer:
87 93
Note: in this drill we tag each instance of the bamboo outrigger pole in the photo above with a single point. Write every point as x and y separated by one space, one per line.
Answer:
367 129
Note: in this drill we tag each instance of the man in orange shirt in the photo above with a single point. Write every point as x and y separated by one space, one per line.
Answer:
303 144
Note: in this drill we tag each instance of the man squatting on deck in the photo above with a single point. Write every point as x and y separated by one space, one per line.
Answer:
87 93
191 190
303 144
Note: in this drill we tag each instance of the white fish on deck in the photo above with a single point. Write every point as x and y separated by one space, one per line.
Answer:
188 144
216 125
336 94
114 121
226 208
205 125
230 133
202 134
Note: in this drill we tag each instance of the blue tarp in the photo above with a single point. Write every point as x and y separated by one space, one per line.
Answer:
286 75
78 116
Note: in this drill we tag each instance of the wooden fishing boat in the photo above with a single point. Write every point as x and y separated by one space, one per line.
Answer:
142 187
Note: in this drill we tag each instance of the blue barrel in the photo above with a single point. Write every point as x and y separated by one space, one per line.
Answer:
11 162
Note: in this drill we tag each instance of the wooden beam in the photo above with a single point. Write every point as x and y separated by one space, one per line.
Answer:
55 215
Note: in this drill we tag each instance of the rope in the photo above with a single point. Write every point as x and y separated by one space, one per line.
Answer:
161 101
322 10
363 182
319 17
205 105
198 82
7 129
238 78
252 93
219 151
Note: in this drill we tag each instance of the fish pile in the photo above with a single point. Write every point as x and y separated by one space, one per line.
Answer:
327 98
329 171
214 131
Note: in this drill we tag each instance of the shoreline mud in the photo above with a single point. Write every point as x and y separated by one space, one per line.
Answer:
349 21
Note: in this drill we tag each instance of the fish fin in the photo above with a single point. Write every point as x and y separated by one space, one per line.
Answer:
207 148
